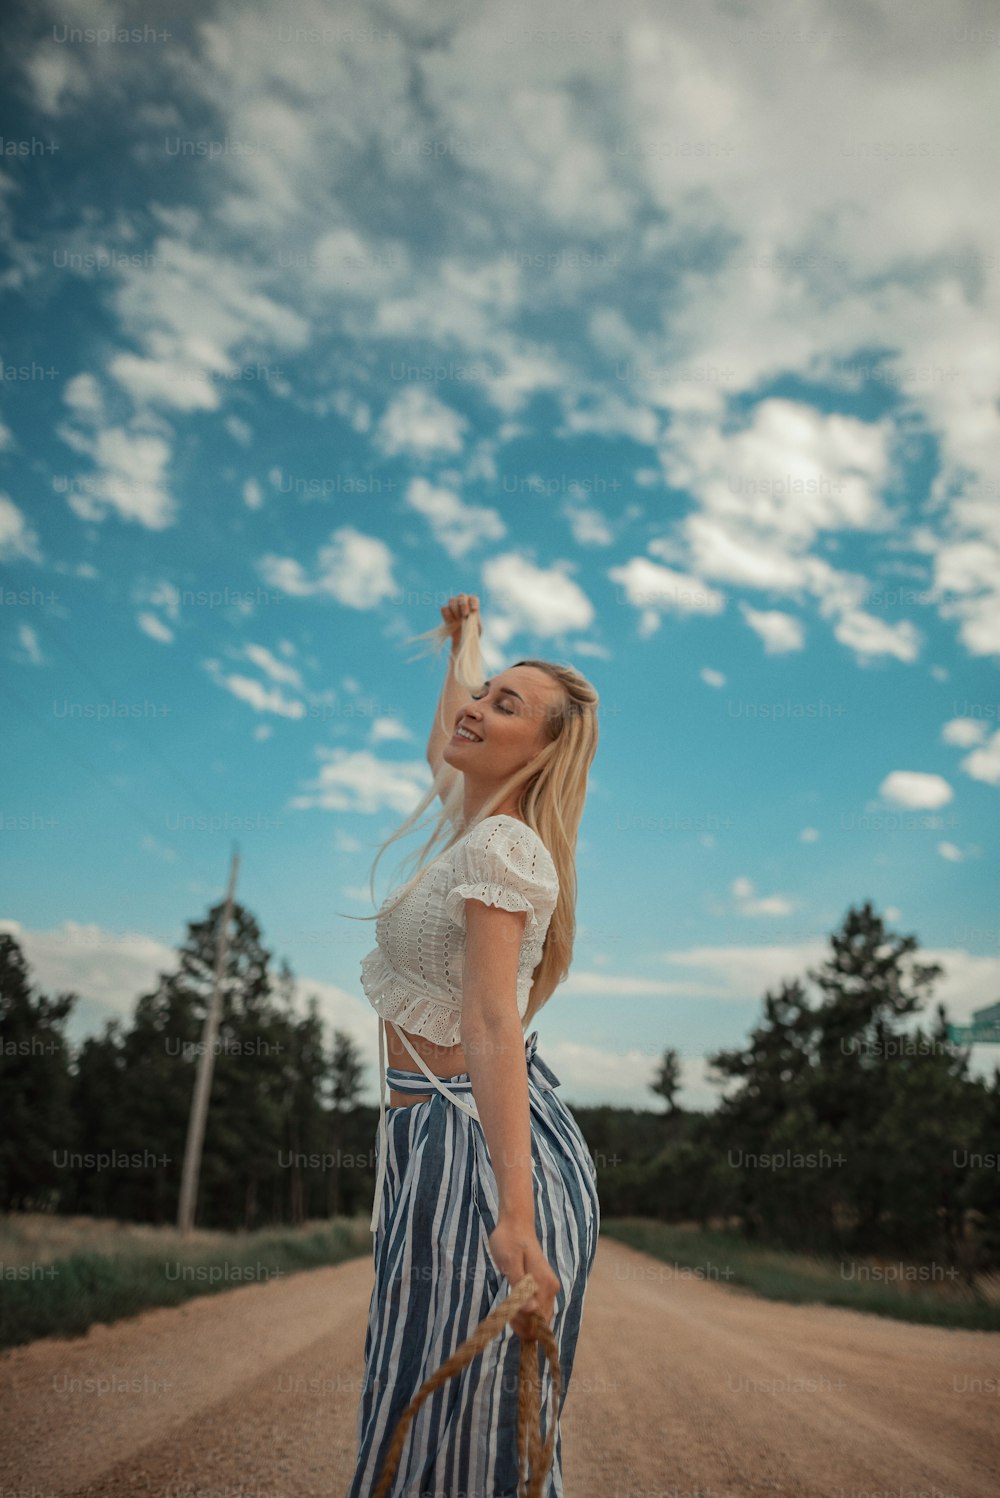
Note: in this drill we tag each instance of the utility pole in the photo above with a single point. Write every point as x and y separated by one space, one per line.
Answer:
206 1064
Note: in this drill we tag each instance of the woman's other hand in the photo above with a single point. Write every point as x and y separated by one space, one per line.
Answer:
516 1252
459 607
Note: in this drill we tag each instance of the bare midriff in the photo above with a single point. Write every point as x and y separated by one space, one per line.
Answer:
444 1061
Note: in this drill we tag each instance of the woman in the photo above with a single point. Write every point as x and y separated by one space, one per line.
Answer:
485 1176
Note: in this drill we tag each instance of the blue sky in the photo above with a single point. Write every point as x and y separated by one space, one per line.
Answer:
672 336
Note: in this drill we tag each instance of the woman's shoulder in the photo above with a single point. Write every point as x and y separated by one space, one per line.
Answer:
509 831
502 819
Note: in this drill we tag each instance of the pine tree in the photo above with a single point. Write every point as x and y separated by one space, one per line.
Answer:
667 1081
346 1071
34 1086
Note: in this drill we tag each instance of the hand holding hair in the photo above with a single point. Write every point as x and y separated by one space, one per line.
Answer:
460 606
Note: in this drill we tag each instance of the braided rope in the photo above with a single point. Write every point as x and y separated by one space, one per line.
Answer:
529 1444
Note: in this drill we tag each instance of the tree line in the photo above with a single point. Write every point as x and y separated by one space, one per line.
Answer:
841 1126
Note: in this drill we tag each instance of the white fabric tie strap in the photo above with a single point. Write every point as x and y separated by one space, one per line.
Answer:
422 1064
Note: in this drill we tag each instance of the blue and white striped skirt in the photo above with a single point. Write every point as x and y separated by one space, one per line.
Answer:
435 1280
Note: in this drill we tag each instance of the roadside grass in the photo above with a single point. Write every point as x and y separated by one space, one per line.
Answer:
909 1292
59 1275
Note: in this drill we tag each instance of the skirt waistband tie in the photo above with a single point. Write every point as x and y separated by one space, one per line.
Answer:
413 1082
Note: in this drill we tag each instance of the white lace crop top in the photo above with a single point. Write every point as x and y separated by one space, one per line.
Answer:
413 977
414 974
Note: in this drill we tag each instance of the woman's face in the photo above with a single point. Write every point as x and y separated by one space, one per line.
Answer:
509 719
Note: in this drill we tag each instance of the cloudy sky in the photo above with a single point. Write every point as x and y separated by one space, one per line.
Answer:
669 330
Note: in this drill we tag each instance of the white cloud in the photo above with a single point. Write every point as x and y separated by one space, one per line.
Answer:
526 599
965 732
421 426
277 670
780 632
83 396
261 698
537 145
869 636
765 493
950 852
155 628
749 904
109 970
189 313
356 412
711 677
163 595
344 262
721 550
979 618
520 371
589 526
901 257
966 567
622 986
745 973
28 639
166 596
670 141
791 472
588 647
194 311
356 780
165 382
592 1075
917 789
17 539
385 729
984 763
608 415
656 590
130 479
55 75
353 568
456 526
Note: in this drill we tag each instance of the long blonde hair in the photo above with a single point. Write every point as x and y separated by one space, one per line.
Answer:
551 792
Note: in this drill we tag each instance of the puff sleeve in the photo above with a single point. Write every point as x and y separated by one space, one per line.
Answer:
504 862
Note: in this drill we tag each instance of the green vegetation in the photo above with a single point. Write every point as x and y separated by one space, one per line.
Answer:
847 1132
51 1287
101 1130
908 1292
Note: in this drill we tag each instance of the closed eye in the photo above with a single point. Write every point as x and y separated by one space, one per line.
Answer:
508 712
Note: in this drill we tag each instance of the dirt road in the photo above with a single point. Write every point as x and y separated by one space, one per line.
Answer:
682 1387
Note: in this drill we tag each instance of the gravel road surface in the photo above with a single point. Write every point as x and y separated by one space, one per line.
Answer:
683 1386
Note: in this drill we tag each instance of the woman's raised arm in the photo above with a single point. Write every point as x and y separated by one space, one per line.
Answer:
452 694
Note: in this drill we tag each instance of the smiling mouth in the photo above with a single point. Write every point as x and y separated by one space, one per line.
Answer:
462 738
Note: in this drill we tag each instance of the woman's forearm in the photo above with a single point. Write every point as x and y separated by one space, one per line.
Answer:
451 699
494 1055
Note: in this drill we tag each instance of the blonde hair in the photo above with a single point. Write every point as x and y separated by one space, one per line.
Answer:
551 791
